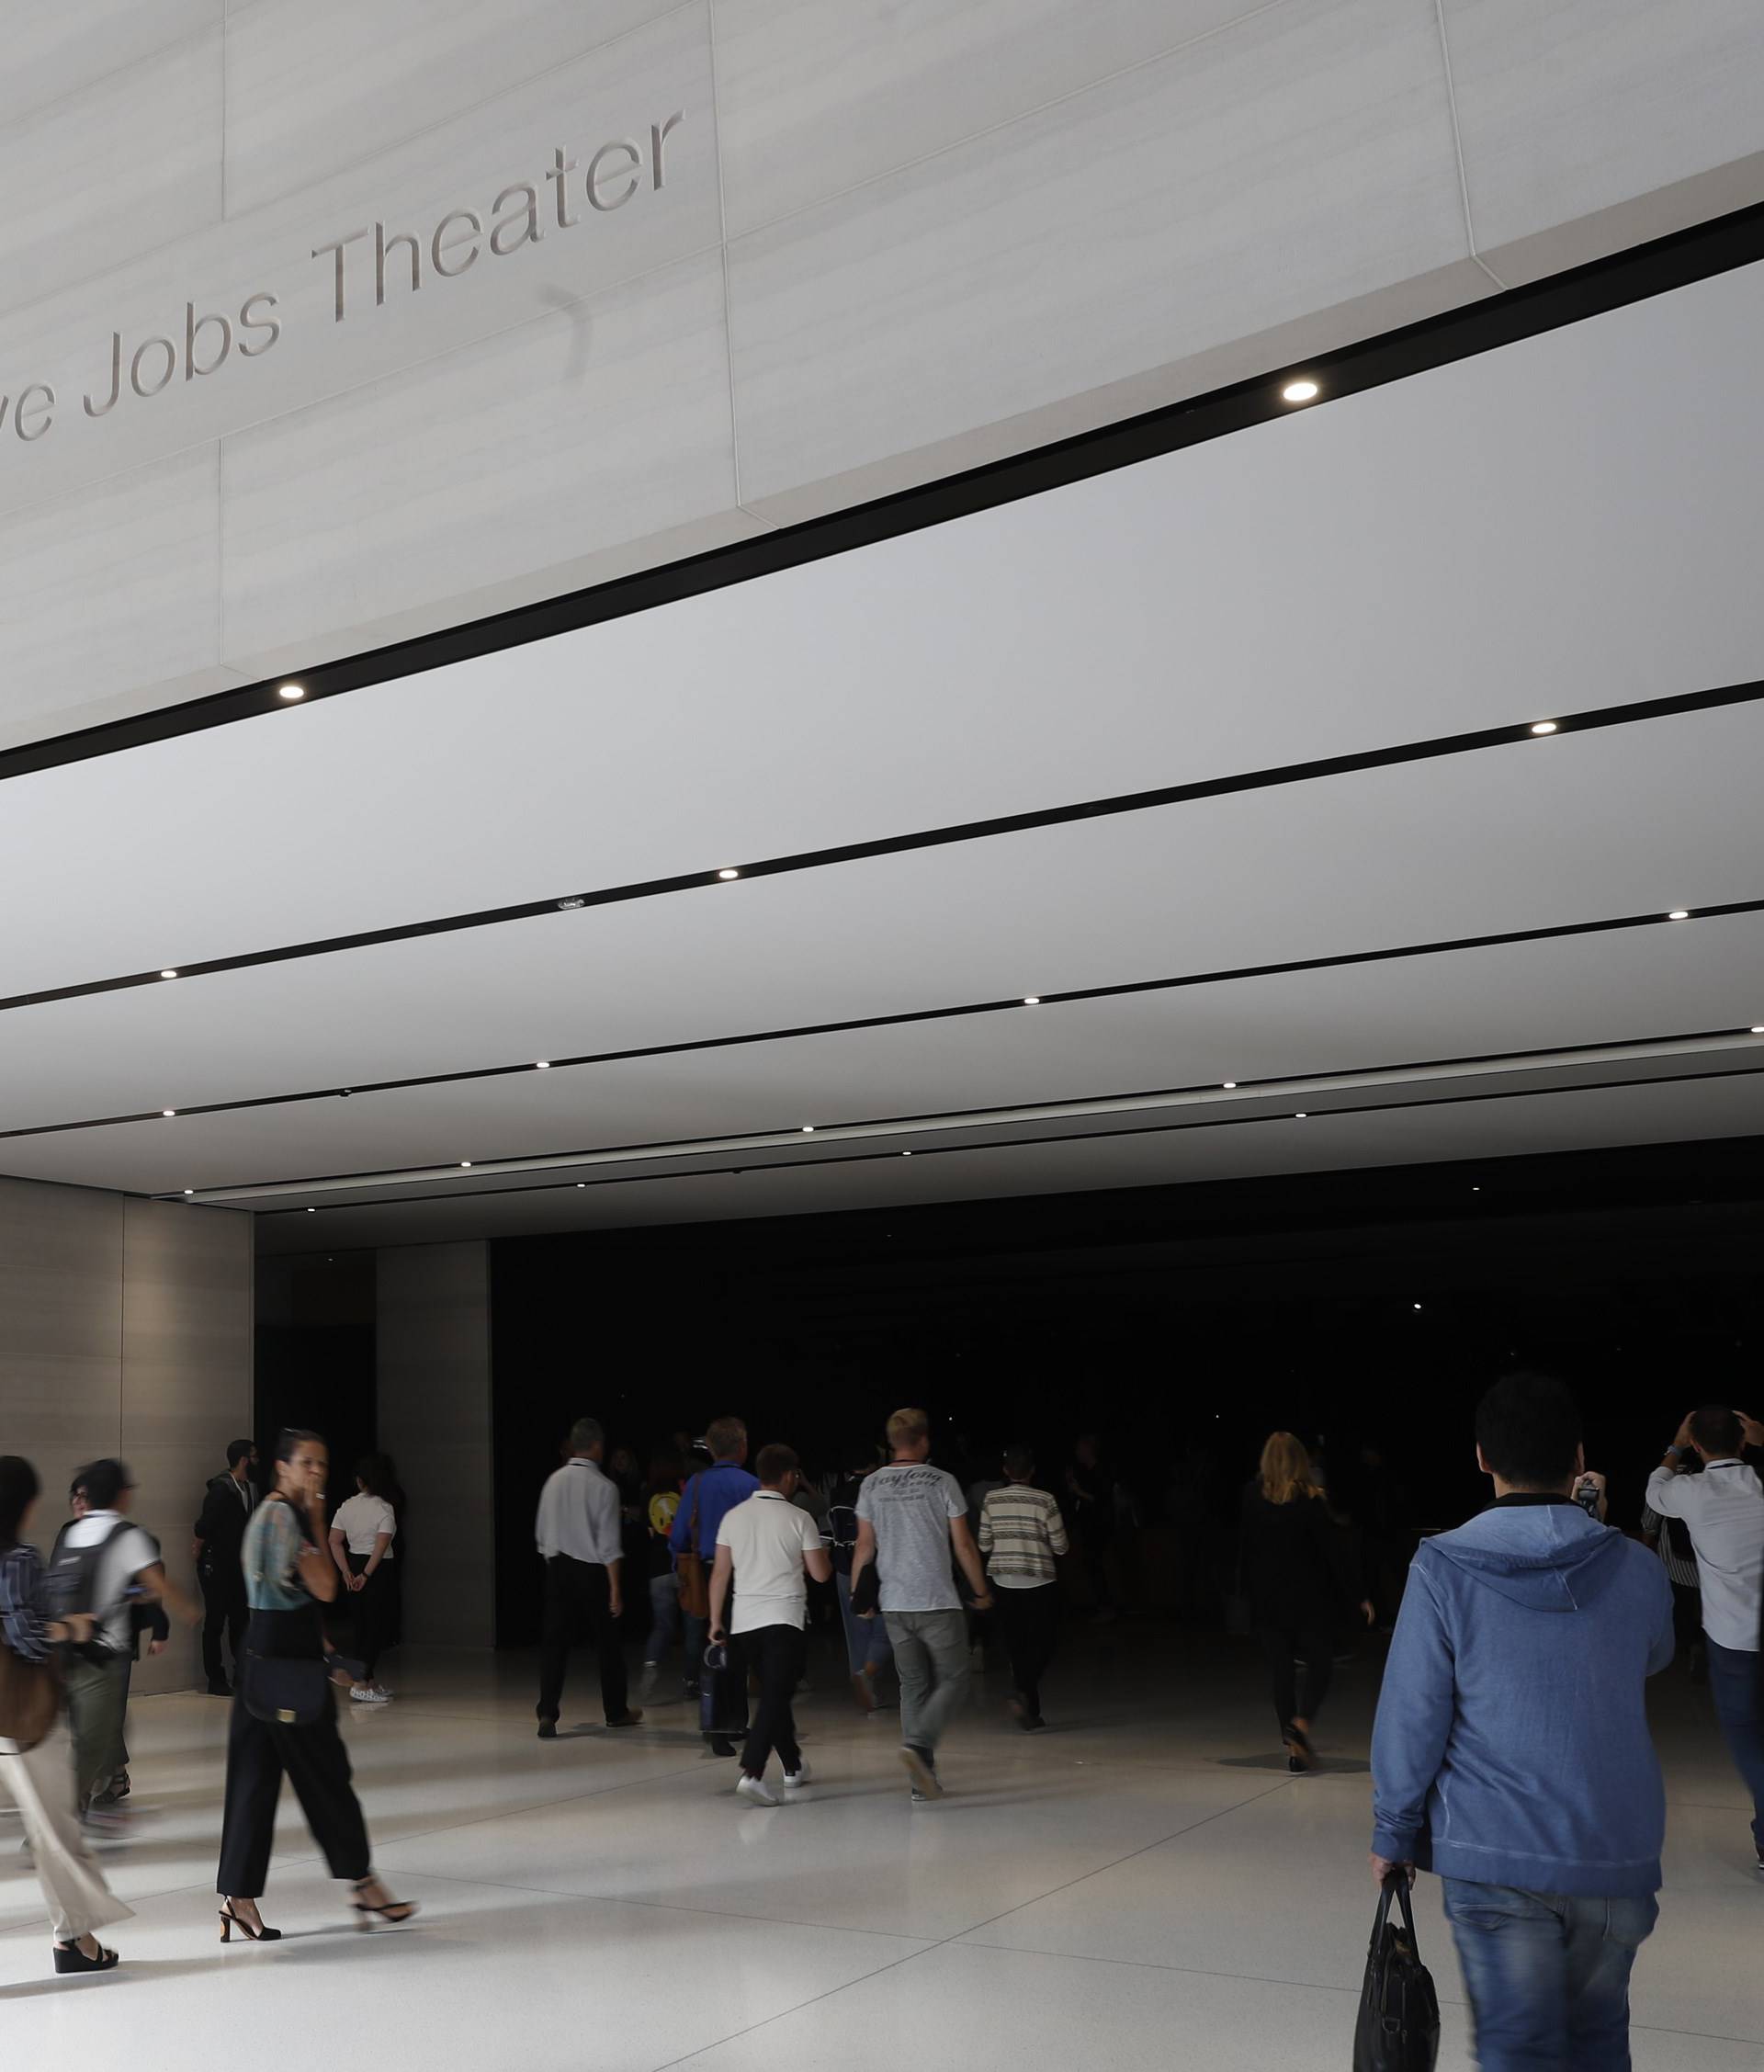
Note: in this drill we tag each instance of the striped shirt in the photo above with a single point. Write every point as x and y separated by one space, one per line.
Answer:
21 1603
1680 1569
1021 1532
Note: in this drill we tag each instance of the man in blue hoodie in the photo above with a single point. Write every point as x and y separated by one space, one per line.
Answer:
1512 1753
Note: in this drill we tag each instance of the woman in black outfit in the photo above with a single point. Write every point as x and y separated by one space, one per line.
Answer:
288 1574
1297 1566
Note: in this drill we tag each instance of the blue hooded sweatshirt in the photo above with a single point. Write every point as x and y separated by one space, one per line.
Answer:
1511 1746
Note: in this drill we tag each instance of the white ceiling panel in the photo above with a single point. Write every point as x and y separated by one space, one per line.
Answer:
1485 1132
1558 832
1565 523
1525 997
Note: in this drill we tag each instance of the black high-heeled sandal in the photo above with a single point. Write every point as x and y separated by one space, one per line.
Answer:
230 1921
70 1957
395 1911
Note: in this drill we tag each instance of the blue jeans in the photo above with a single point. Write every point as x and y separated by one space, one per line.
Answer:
1734 1685
664 1616
1547 1974
867 1644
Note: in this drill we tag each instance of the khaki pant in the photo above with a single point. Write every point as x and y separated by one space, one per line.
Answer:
97 1697
39 1782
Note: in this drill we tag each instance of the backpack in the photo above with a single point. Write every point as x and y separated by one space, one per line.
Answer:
71 1580
841 1530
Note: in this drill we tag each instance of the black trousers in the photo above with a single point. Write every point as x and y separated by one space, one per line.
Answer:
373 1606
776 1654
223 1600
1312 1641
579 1600
258 1751
1029 1622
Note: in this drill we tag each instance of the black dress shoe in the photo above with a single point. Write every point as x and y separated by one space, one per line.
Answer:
720 1744
548 1730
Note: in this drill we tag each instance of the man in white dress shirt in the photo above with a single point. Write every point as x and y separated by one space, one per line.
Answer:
578 1534
1723 1510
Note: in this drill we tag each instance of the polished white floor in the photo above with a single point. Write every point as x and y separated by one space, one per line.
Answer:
1142 1885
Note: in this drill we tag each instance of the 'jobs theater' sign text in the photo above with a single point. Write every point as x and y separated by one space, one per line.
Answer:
365 268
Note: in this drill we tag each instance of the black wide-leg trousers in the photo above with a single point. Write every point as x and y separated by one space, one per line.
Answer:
316 1762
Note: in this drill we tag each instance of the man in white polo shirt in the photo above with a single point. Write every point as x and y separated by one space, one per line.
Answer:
1724 1508
766 1548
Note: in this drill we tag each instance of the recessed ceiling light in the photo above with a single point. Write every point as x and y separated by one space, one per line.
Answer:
189 1190
1475 1190
1757 1028
1677 913
906 1154
807 1129
1230 1086
1301 1116
1544 727
168 1110
564 905
1299 392
1032 1000
291 692
465 1165
542 1064
168 973
581 1183
1414 1305
727 875
312 1212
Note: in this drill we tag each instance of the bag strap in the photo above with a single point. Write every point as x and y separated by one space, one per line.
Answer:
1395 1888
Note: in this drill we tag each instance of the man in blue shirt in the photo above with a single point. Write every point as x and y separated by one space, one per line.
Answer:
1512 1753
704 1501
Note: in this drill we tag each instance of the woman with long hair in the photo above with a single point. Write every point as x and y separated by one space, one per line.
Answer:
38 1775
284 1714
1297 1567
362 1534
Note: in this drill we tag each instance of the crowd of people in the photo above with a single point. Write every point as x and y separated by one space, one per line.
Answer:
1511 1751
70 1631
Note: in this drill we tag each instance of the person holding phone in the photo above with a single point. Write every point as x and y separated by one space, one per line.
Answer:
288 1574
1723 1510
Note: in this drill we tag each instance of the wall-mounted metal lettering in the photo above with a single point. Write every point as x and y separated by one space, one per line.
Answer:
387 260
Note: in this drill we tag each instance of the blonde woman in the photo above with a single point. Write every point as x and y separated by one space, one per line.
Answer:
1297 1566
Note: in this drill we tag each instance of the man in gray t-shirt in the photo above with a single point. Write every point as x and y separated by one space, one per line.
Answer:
909 1518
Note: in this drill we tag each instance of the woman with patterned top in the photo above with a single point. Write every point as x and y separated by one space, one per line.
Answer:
1021 1532
288 1574
40 1778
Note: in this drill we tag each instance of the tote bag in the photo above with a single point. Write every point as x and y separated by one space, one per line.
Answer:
1399 2030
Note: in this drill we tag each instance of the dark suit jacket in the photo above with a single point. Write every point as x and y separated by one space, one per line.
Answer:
221 1530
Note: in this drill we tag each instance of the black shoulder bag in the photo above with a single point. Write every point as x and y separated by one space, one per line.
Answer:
1398 2028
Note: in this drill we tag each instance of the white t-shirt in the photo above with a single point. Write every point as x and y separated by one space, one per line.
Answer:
361 1521
766 1538
122 1561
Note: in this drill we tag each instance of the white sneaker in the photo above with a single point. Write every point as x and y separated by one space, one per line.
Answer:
794 1780
753 1790
370 1695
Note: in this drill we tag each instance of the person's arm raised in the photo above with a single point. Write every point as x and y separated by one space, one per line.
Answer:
317 1571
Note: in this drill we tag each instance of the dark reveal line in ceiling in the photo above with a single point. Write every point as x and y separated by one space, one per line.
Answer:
1634 276
1125 990
1564 726
217 1195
